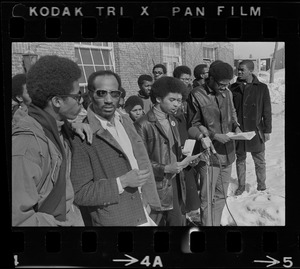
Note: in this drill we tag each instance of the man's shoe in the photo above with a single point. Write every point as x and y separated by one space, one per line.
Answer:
261 189
239 190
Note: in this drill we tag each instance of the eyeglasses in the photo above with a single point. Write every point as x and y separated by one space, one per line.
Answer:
103 93
157 73
77 97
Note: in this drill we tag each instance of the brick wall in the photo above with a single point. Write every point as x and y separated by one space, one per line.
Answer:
64 49
194 53
131 59
135 59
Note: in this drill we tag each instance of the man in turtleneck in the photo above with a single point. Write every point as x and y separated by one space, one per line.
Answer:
253 106
159 131
42 193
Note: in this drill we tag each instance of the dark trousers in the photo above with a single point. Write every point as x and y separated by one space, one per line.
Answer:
192 197
260 168
219 182
171 217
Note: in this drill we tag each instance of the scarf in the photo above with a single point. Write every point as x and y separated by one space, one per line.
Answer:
55 202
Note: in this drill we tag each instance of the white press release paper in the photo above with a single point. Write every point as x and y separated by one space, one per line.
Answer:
188 147
241 136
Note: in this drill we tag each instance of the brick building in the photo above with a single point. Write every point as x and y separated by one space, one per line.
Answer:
128 59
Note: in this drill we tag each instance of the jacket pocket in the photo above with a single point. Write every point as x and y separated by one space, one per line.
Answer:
260 135
165 193
55 166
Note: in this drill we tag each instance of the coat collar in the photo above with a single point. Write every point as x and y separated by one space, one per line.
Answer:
173 123
100 131
254 80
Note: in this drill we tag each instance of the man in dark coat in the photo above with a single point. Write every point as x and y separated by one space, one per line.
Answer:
253 106
159 131
210 106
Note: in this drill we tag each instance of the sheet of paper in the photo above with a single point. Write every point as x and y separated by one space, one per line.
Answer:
241 136
186 161
188 147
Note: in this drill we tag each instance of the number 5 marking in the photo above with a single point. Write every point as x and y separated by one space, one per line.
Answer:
289 262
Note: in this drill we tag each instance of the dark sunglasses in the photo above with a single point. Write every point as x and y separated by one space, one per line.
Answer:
103 93
76 97
157 73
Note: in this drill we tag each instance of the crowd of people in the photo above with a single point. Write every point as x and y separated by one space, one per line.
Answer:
101 159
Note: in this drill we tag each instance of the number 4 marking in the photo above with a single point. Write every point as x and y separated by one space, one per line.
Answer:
145 261
157 262
288 261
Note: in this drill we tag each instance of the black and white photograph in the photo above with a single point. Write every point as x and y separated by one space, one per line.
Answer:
151 134
148 134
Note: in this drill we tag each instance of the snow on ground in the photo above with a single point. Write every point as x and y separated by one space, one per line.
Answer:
254 208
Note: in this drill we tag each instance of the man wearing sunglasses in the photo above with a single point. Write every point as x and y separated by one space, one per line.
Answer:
210 106
159 70
42 193
113 179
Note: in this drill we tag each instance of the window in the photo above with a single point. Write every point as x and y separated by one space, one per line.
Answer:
171 56
93 57
209 55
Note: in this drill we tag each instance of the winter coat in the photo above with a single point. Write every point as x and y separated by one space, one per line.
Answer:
36 163
158 148
253 107
217 118
95 169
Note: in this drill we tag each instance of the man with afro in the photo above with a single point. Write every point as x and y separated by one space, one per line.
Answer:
211 110
159 131
42 193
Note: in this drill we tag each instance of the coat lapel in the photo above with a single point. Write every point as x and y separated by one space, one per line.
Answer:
152 118
100 131
174 128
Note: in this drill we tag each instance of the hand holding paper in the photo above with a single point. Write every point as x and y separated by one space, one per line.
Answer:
241 136
186 161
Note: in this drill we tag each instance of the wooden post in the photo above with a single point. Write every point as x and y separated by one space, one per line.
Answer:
272 69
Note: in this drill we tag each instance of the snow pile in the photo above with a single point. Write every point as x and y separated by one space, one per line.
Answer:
277 88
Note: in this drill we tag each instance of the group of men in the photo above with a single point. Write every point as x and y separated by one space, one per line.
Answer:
119 168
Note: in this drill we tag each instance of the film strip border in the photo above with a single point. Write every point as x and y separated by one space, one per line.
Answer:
166 21
153 21
194 247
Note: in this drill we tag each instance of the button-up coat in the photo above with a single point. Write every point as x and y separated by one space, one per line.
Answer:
253 107
159 150
216 113
95 169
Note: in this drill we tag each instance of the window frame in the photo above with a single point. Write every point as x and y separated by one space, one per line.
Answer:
109 48
168 58
214 54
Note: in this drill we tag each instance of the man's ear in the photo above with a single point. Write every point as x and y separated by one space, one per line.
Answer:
56 101
20 99
158 100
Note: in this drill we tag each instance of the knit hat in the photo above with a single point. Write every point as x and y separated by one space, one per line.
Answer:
132 101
